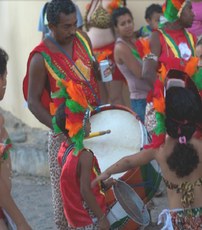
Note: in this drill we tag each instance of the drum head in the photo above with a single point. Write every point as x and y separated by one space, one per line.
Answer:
126 135
131 203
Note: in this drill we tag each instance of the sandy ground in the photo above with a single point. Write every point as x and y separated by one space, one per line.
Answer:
33 196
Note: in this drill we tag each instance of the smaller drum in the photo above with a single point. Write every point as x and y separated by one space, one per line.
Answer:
128 205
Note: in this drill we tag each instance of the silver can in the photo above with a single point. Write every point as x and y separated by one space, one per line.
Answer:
105 70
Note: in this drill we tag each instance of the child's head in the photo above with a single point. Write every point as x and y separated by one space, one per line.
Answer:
152 15
183 104
60 118
3 72
122 21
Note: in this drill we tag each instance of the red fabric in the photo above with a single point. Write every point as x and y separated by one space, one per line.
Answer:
167 57
76 215
117 75
65 66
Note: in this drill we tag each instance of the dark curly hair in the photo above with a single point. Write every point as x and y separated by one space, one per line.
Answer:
183 113
61 118
150 10
3 61
56 7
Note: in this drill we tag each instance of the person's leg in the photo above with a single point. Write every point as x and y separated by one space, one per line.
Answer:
139 107
55 170
115 92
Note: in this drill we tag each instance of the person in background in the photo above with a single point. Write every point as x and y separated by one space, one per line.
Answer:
179 153
43 22
84 207
152 17
6 201
196 28
99 30
129 61
65 53
172 47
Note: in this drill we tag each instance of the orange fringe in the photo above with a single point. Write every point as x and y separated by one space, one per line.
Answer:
73 128
178 3
191 66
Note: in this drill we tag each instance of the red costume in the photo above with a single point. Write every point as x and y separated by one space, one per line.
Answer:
58 64
167 57
76 213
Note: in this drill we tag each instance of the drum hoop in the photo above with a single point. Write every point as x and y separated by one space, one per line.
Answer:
123 108
138 197
113 107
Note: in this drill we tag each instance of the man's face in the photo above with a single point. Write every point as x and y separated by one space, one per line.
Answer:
65 30
187 16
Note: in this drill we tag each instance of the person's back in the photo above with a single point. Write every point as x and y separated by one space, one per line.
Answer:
170 177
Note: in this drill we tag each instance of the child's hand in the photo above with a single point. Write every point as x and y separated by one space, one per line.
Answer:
108 183
103 176
104 223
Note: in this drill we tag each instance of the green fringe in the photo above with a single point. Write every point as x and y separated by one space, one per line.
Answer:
170 12
74 106
55 126
197 78
160 126
60 94
78 140
54 68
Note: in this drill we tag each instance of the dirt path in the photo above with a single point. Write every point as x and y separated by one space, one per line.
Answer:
33 196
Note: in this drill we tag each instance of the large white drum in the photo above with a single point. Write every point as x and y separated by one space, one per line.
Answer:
127 136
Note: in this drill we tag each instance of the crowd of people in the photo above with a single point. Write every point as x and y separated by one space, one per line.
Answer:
161 65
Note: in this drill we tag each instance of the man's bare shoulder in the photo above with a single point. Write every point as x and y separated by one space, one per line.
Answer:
37 59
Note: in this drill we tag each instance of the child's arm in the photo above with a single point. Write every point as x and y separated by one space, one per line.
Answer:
7 202
85 163
141 158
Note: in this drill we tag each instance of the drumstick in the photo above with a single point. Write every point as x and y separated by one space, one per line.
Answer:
96 134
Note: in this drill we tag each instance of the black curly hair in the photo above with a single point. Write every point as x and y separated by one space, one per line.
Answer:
56 7
150 10
60 117
3 61
183 113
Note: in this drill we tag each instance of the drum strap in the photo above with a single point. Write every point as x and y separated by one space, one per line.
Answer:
66 153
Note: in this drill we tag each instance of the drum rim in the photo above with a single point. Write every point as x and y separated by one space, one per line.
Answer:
115 191
113 107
